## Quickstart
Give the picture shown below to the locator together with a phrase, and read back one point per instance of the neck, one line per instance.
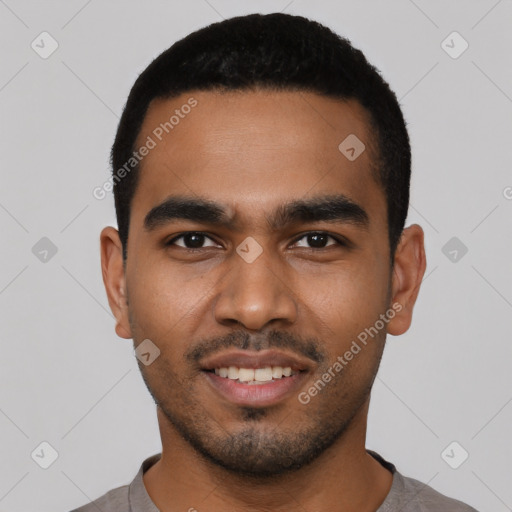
(345, 478)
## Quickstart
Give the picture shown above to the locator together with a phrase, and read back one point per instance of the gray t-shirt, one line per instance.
(406, 495)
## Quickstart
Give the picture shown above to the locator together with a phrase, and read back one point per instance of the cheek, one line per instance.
(347, 299)
(166, 300)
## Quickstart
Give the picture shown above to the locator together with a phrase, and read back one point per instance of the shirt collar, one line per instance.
(140, 501)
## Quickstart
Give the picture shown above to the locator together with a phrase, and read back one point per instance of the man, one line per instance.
(261, 176)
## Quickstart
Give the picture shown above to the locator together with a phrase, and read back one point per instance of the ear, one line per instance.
(408, 271)
(114, 279)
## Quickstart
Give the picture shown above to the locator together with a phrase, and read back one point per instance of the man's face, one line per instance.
(263, 286)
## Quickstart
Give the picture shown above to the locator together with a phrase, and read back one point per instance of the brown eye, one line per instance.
(318, 240)
(191, 240)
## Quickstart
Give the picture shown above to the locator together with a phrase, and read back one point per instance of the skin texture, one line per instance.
(251, 152)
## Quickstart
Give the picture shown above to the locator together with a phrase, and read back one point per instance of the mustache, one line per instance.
(307, 347)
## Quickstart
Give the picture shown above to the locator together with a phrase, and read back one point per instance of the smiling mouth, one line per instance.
(254, 376)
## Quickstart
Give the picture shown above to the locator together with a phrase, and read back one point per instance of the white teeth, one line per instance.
(245, 374)
(263, 374)
(277, 372)
(233, 372)
(250, 375)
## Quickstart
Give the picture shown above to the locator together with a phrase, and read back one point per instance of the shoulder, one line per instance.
(410, 495)
(420, 497)
(115, 500)
(127, 497)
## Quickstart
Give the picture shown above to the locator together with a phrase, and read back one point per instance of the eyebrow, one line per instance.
(329, 208)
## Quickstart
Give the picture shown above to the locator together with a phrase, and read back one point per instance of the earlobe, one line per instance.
(408, 271)
(114, 279)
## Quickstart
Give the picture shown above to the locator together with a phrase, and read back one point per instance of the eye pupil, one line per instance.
(195, 240)
(314, 238)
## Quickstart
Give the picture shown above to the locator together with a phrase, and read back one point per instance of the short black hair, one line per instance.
(278, 52)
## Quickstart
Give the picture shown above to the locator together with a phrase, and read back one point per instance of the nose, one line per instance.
(255, 294)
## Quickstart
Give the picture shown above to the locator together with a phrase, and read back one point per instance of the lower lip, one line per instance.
(255, 395)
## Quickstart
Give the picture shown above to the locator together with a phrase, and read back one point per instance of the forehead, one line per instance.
(252, 150)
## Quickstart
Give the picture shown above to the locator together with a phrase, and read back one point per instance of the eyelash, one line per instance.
(339, 240)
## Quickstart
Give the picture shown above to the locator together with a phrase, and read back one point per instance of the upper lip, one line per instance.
(260, 359)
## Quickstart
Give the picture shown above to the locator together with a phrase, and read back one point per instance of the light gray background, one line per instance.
(67, 379)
